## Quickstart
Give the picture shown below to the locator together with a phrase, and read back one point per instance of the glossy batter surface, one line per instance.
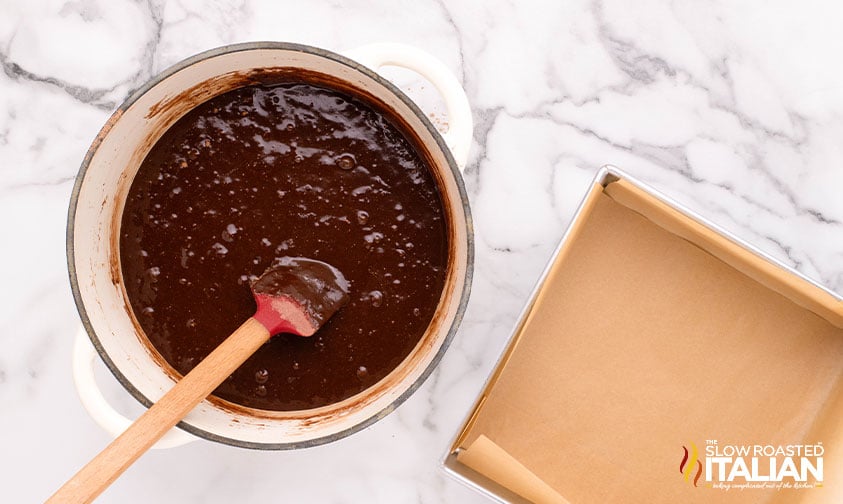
(261, 173)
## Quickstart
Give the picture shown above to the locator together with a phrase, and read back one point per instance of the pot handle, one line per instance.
(461, 124)
(98, 407)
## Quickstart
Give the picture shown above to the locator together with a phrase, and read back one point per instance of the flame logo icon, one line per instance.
(689, 460)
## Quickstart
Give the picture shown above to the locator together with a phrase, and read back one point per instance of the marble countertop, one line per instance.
(734, 109)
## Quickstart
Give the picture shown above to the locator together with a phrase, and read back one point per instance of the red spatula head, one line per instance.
(297, 295)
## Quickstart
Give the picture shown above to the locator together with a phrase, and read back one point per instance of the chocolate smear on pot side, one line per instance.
(289, 170)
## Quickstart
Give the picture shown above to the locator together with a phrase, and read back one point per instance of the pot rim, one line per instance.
(294, 47)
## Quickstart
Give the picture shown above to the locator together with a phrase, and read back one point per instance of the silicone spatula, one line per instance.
(296, 295)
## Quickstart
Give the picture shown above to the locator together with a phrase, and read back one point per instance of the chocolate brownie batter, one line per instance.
(261, 173)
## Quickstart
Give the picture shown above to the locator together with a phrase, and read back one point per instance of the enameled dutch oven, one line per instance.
(108, 170)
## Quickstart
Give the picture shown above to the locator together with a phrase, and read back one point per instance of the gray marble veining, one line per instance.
(734, 109)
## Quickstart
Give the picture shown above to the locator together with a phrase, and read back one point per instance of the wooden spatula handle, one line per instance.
(100, 472)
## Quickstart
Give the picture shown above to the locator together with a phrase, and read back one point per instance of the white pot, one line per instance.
(98, 199)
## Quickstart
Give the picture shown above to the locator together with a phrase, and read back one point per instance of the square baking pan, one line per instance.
(654, 341)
